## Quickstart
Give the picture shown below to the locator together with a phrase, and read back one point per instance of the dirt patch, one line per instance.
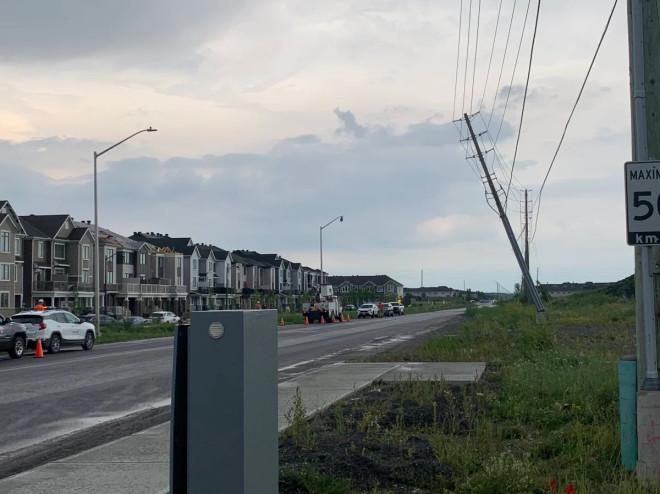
(378, 440)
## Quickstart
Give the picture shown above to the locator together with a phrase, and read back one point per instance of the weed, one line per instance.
(299, 429)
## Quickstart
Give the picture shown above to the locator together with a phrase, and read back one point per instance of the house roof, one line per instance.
(106, 235)
(184, 245)
(8, 211)
(272, 260)
(358, 280)
(78, 233)
(49, 224)
(432, 289)
(32, 231)
(238, 256)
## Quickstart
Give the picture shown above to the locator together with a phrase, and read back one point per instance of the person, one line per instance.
(40, 305)
(257, 305)
(381, 309)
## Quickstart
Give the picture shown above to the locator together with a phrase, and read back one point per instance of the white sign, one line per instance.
(643, 202)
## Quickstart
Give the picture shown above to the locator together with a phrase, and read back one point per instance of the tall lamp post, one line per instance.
(340, 218)
(97, 255)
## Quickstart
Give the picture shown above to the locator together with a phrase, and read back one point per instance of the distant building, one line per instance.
(433, 292)
(381, 283)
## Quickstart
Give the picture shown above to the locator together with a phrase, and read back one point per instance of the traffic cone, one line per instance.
(341, 318)
(348, 319)
(306, 321)
(40, 350)
(333, 319)
(282, 322)
(322, 320)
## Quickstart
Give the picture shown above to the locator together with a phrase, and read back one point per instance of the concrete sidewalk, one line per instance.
(140, 463)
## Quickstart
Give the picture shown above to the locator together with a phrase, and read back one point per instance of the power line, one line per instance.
(515, 65)
(467, 57)
(476, 47)
(492, 51)
(458, 57)
(522, 112)
(584, 83)
(499, 79)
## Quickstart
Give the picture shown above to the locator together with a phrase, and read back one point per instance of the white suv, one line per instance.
(368, 310)
(165, 316)
(56, 328)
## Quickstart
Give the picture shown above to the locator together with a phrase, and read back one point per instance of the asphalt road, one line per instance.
(117, 388)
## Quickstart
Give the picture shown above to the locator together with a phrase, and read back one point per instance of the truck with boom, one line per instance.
(323, 304)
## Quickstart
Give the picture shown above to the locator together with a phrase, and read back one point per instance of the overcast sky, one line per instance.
(274, 117)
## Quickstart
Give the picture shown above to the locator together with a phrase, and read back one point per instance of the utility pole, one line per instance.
(540, 310)
(644, 43)
(526, 229)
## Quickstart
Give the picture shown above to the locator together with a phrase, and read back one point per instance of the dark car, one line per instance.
(13, 337)
(104, 318)
(138, 320)
(350, 307)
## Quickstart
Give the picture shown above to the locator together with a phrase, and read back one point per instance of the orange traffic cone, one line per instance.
(322, 320)
(282, 322)
(333, 319)
(349, 318)
(341, 318)
(306, 321)
(40, 350)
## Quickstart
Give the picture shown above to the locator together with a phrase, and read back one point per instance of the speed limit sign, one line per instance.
(643, 202)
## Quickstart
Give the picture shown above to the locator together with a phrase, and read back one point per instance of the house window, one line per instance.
(178, 262)
(109, 277)
(4, 242)
(127, 275)
(390, 288)
(17, 246)
(379, 289)
(344, 289)
(127, 258)
(86, 252)
(85, 276)
(59, 251)
(143, 258)
(5, 272)
(194, 265)
(4, 300)
(15, 274)
(210, 268)
(40, 250)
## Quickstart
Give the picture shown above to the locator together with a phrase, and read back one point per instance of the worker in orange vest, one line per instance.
(40, 305)
(257, 306)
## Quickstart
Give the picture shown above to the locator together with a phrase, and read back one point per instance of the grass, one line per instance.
(112, 333)
(547, 406)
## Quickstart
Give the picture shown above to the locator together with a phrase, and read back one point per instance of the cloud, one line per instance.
(350, 124)
(152, 33)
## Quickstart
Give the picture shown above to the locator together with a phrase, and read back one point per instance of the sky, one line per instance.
(275, 117)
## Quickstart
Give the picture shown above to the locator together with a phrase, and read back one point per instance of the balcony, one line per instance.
(61, 286)
(137, 289)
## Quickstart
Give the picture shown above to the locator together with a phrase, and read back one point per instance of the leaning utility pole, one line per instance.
(540, 310)
(526, 227)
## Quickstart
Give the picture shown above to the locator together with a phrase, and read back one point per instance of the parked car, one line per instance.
(367, 310)
(104, 318)
(56, 328)
(165, 316)
(398, 308)
(138, 320)
(13, 337)
(388, 310)
(349, 307)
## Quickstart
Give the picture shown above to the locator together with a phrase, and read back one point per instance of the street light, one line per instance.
(340, 218)
(97, 255)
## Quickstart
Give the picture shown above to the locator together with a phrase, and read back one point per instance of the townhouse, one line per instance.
(381, 285)
(12, 235)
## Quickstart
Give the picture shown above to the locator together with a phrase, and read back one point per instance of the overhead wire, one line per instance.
(499, 79)
(492, 51)
(561, 140)
(522, 111)
(467, 57)
(513, 73)
(476, 48)
(458, 57)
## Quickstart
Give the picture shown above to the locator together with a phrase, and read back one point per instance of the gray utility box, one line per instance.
(224, 404)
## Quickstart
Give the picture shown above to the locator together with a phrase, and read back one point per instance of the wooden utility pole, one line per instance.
(540, 310)
(526, 228)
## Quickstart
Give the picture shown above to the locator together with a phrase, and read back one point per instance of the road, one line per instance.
(64, 394)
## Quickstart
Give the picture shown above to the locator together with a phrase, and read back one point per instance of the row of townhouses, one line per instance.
(51, 257)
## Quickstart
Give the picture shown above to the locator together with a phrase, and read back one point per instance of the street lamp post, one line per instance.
(340, 218)
(97, 264)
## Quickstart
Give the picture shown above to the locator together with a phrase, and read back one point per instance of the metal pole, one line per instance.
(321, 245)
(97, 255)
(641, 153)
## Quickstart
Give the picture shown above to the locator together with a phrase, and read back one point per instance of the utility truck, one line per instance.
(323, 304)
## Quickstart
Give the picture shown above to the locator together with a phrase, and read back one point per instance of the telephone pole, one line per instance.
(540, 310)
(526, 230)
